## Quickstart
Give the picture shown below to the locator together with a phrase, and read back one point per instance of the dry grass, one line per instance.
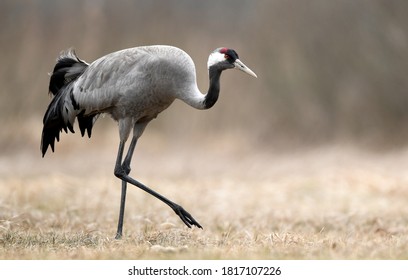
(329, 203)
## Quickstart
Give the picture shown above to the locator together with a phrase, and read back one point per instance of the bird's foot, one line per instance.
(186, 217)
(118, 236)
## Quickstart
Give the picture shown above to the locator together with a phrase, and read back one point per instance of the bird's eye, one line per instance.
(226, 56)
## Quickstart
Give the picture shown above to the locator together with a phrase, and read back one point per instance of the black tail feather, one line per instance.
(86, 122)
(61, 112)
(48, 139)
(68, 67)
(54, 123)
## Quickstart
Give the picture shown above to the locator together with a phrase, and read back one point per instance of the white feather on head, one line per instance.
(215, 57)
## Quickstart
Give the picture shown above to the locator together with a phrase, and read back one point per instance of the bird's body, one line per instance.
(110, 82)
(133, 86)
(108, 85)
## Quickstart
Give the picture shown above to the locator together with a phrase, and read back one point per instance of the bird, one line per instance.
(133, 86)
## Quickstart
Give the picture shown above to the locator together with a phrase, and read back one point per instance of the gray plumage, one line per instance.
(133, 86)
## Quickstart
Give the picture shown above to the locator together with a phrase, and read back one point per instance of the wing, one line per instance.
(134, 77)
(109, 78)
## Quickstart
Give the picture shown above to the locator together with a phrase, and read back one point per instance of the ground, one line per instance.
(330, 202)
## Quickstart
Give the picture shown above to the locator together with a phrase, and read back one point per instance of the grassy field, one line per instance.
(328, 203)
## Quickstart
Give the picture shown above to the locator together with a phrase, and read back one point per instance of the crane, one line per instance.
(133, 86)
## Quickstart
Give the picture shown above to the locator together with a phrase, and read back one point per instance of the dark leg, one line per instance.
(121, 211)
(122, 172)
(183, 214)
(126, 168)
(123, 194)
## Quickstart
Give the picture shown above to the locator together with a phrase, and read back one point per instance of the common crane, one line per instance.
(133, 86)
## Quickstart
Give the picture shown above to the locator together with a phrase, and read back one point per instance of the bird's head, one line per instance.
(224, 58)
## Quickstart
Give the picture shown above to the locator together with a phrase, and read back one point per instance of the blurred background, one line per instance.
(328, 71)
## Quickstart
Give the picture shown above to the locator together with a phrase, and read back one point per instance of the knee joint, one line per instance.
(121, 171)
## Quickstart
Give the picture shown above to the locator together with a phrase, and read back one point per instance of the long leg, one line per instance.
(124, 130)
(123, 194)
(121, 171)
(121, 211)
(126, 168)
(183, 214)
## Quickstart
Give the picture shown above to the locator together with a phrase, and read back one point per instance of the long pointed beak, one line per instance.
(241, 66)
